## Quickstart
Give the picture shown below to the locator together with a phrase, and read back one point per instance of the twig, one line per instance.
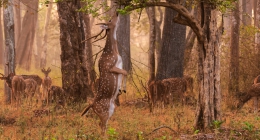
(164, 126)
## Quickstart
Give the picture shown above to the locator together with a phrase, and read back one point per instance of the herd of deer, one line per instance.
(110, 83)
(27, 85)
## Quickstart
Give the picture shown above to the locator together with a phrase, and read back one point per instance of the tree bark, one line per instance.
(247, 12)
(152, 43)
(123, 37)
(44, 46)
(173, 39)
(1, 41)
(73, 62)
(209, 99)
(25, 41)
(37, 48)
(89, 62)
(257, 42)
(158, 36)
(9, 46)
(17, 20)
(233, 86)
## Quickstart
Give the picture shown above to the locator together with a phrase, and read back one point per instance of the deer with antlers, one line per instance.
(17, 85)
(46, 84)
(110, 67)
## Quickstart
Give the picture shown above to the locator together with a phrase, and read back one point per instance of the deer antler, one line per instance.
(93, 36)
(101, 37)
(49, 70)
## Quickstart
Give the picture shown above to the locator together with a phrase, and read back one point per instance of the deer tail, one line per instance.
(86, 110)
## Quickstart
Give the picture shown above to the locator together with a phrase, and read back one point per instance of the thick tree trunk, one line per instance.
(257, 42)
(233, 86)
(123, 37)
(151, 52)
(152, 43)
(73, 62)
(25, 41)
(17, 20)
(45, 36)
(89, 62)
(209, 99)
(9, 46)
(173, 39)
(158, 36)
(1, 41)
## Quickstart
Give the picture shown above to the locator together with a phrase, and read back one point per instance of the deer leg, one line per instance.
(103, 124)
(255, 104)
(123, 85)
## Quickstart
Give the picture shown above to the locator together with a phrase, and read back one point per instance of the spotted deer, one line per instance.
(31, 88)
(46, 84)
(110, 67)
(38, 80)
(256, 80)
(17, 85)
(243, 97)
(56, 95)
(164, 91)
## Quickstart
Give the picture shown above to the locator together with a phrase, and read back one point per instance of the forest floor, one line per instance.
(131, 120)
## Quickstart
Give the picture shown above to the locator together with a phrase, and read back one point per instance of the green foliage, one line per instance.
(248, 126)
(217, 124)
(140, 135)
(112, 133)
(224, 5)
(196, 131)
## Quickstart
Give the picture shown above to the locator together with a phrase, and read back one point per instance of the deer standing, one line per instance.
(56, 95)
(38, 80)
(17, 85)
(110, 67)
(46, 84)
(31, 88)
(254, 91)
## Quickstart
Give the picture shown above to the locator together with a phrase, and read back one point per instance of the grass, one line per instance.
(129, 122)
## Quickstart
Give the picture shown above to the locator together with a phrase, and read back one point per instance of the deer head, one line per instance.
(46, 72)
(8, 79)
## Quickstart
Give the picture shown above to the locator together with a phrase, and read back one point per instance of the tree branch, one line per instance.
(192, 22)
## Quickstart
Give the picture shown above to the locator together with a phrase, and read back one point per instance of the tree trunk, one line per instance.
(9, 46)
(25, 41)
(209, 99)
(257, 42)
(73, 62)
(123, 37)
(158, 36)
(1, 41)
(233, 86)
(247, 12)
(37, 48)
(17, 20)
(89, 62)
(45, 36)
(152, 43)
(173, 39)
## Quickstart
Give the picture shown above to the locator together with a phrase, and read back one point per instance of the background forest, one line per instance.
(215, 43)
